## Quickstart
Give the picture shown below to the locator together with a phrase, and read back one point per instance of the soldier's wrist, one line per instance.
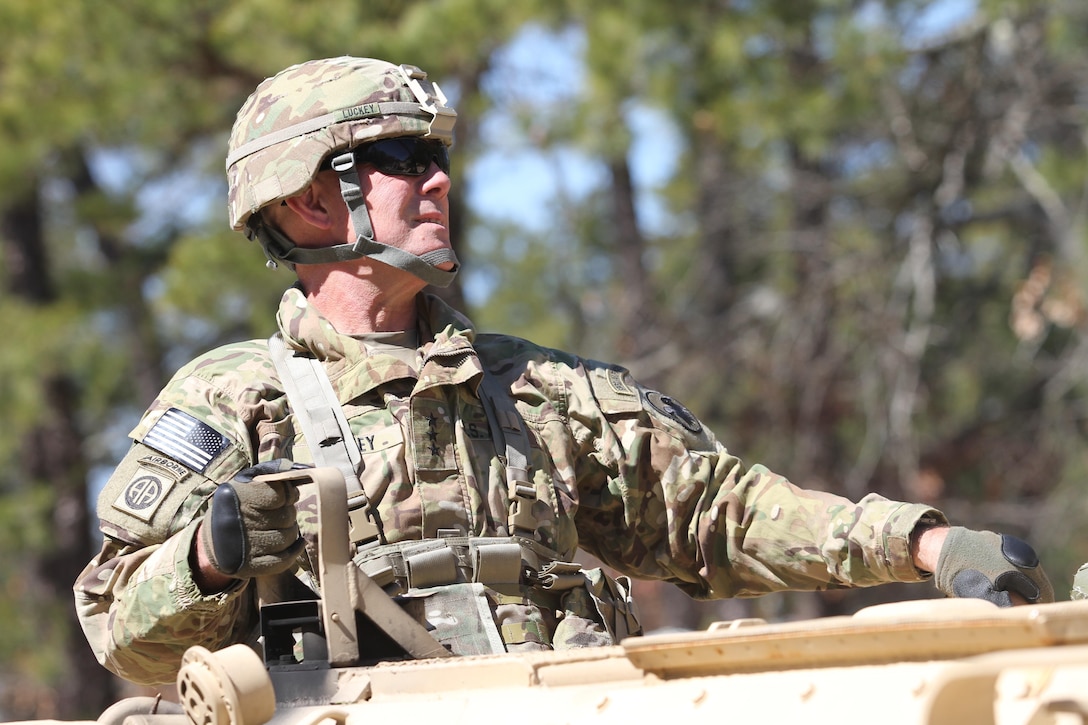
(207, 578)
(926, 542)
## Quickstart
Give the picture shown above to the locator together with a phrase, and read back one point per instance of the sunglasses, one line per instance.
(403, 156)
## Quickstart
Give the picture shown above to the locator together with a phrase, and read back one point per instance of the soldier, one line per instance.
(476, 464)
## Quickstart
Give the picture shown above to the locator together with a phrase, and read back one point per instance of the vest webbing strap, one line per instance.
(332, 443)
(508, 430)
(321, 417)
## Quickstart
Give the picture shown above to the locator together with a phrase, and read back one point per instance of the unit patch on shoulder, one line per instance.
(148, 487)
(618, 384)
(185, 439)
(674, 411)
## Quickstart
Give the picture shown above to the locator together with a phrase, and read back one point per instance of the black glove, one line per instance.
(985, 565)
(251, 528)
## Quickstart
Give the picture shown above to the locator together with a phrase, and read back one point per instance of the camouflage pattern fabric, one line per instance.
(350, 89)
(625, 473)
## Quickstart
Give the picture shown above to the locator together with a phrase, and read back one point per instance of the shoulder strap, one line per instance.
(321, 417)
(508, 430)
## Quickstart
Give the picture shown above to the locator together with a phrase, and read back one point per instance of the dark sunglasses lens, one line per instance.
(407, 156)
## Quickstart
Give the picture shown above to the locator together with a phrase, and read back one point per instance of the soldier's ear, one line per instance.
(314, 205)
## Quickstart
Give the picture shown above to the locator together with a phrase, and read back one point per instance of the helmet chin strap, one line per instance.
(278, 248)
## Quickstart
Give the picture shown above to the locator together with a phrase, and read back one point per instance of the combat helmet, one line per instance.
(324, 109)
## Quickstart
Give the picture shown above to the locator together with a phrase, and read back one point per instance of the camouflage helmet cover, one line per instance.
(294, 119)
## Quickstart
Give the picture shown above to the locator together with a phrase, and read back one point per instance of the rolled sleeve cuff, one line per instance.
(897, 539)
(187, 594)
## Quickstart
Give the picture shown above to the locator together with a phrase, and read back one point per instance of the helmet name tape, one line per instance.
(363, 111)
(353, 113)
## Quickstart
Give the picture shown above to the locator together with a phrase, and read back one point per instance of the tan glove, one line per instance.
(251, 527)
(985, 565)
(1080, 584)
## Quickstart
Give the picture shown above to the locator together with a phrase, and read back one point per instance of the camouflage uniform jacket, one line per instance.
(625, 473)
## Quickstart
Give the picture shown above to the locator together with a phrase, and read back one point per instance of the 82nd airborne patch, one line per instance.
(148, 487)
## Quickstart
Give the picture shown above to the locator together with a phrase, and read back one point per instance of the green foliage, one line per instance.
(873, 280)
(54, 333)
(35, 632)
(221, 281)
(836, 144)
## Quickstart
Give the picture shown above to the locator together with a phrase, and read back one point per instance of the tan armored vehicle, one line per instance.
(954, 661)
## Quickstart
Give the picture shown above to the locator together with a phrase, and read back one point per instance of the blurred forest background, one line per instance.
(849, 234)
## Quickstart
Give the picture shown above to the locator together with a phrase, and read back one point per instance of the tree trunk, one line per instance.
(633, 308)
(52, 457)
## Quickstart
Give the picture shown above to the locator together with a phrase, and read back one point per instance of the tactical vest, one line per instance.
(476, 595)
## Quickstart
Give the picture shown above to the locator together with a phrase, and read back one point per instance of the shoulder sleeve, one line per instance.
(618, 395)
(150, 497)
(661, 498)
(137, 601)
(206, 416)
(201, 429)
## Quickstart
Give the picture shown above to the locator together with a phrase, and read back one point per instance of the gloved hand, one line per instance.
(1080, 584)
(985, 565)
(251, 528)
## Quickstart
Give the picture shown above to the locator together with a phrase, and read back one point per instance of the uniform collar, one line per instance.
(445, 335)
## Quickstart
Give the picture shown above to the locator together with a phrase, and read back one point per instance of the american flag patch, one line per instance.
(186, 440)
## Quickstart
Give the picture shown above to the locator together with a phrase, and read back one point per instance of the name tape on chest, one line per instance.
(380, 440)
